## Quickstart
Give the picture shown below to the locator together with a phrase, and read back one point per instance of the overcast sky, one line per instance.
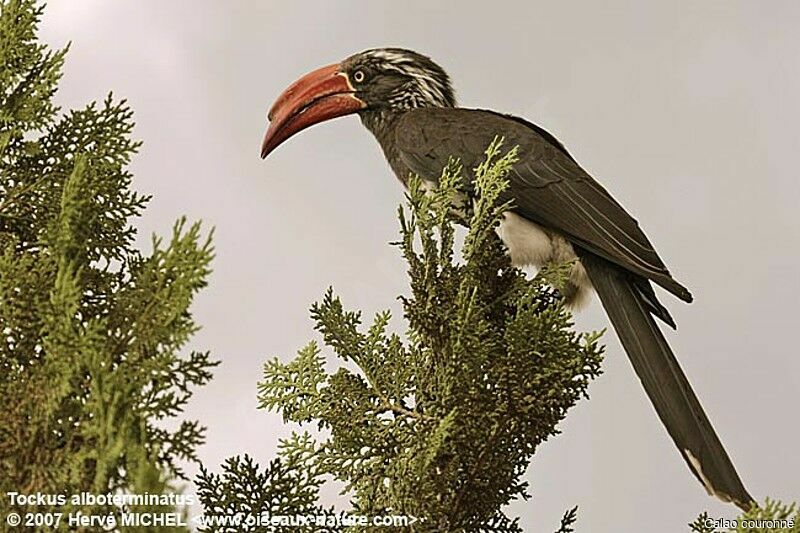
(686, 111)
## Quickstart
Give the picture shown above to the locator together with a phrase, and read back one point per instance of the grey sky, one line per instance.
(686, 111)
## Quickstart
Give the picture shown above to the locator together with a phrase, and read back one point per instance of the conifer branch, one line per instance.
(489, 365)
(87, 404)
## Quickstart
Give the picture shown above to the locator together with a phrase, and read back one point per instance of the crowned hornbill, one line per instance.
(560, 213)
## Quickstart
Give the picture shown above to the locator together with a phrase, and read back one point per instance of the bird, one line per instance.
(559, 213)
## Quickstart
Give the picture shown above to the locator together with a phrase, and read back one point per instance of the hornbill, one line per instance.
(559, 214)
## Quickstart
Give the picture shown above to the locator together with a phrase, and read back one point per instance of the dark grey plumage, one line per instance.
(665, 383)
(410, 110)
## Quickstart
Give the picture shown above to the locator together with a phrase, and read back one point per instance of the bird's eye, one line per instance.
(359, 76)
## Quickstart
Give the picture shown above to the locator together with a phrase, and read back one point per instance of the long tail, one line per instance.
(664, 381)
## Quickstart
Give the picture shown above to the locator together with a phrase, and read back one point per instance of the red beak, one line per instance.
(321, 95)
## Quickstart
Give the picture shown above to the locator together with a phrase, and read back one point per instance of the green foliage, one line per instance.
(442, 422)
(568, 520)
(287, 486)
(92, 330)
(773, 517)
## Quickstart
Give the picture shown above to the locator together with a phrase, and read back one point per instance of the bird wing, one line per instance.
(546, 186)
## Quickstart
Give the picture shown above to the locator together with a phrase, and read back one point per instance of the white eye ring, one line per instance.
(359, 76)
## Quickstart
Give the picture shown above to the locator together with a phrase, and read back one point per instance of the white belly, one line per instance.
(530, 244)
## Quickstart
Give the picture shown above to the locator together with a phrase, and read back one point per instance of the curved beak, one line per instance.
(320, 95)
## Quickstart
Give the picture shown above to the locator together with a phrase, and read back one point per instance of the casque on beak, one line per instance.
(320, 95)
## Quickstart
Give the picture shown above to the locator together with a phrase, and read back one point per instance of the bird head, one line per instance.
(375, 83)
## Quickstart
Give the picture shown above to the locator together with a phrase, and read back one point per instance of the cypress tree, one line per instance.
(93, 331)
(438, 423)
